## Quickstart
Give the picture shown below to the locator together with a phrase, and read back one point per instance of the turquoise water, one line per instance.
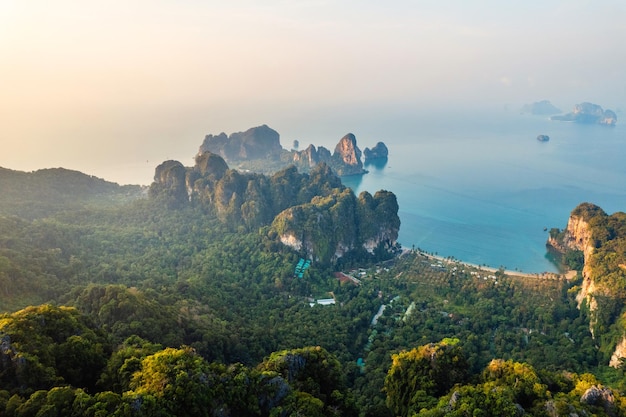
(482, 188)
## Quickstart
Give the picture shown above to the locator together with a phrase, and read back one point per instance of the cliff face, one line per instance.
(618, 354)
(379, 151)
(255, 143)
(577, 236)
(258, 149)
(601, 238)
(312, 213)
(329, 228)
(347, 151)
(170, 181)
(345, 160)
(309, 157)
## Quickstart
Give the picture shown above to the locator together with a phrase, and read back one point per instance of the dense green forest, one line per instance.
(147, 306)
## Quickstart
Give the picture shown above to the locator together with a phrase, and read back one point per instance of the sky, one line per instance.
(112, 88)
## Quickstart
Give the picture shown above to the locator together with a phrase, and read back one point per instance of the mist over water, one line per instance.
(481, 188)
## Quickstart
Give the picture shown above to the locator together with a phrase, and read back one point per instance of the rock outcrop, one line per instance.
(378, 152)
(347, 156)
(345, 160)
(589, 113)
(618, 354)
(307, 227)
(208, 163)
(601, 239)
(601, 397)
(308, 157)
(540, 108)
(256, 143)
(313, 213)
(170, 180)
(258, 149)
(577, 236)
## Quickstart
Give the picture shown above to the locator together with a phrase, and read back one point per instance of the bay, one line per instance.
(481, 188)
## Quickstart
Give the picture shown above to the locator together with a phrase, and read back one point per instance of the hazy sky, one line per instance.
(112, 88)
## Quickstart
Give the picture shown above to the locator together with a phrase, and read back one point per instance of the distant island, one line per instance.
(589, 113)
(377, 153)
(258, 149)
(539, 108)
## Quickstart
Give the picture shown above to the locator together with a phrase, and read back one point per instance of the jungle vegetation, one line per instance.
(135, 307)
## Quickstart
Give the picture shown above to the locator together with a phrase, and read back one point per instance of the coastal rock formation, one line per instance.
(348, 156)
(255, 143)
(312, 213)
(308, 157)
(379, 151)
(578, 236)
(589, 113)
(258, 149)
(540, 108)
(305, 227)
(601, 238)
(345, 160)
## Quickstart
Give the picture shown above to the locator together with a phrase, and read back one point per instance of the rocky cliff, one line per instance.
(258, 149)
(310, 212)
(589, 113)
(327, 229)
(602, 239)
(577, 236)
(378, 152)
(170, 179)
(347, 156)
(345, 160)
(256, 143)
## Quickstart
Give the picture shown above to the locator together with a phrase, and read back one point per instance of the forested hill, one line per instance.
(46, 191)
(193, 301)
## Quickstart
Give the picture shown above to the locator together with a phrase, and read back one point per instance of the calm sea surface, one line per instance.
(482, 189)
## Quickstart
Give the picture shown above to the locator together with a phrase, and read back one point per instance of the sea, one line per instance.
(481, 188)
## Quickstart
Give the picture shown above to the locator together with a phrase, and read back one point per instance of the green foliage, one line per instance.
(124, 363)
(124, 312)
(310, 369)
(38, 194)
(520, 378)
(211, 276)
(180, 381)
(508, 388)
(417, 377)
(606, 267)
(46, 346)
(574, 259)
(340, 225)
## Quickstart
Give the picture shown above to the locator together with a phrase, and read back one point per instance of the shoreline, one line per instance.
(542, 275)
